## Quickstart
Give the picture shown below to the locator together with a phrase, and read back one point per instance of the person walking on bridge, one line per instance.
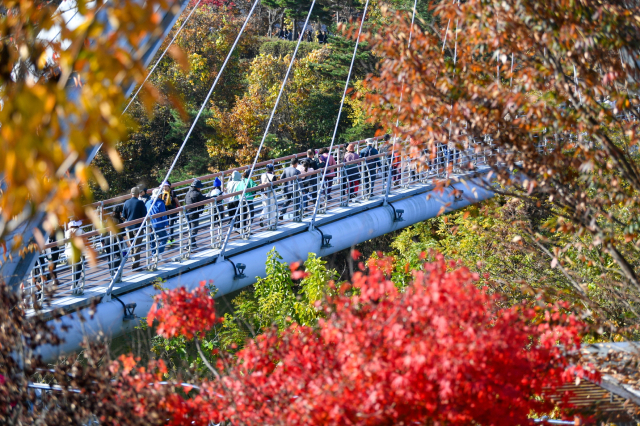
(158, 224)
(353, 174)
(73, 231)
(171, 202)
(232, 186)
(370, 168)
(247, 209)
(134, 209)
(331, 173)
(194, 196)
(289, 187)
(269, 209)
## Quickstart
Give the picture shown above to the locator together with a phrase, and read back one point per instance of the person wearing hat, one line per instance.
(269, 209)
(370, 168)
(353, 173)
(156, 206)
(134, 209)
(193, 214)
(216, 192)
(75, 259)
(170, 200)
(144, 196)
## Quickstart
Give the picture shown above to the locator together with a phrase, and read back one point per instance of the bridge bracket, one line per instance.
(397, 214)
(129, 309)
(325, 239)
(457, 194)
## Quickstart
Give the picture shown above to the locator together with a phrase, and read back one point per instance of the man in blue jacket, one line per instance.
(134, 209)
(158, 224)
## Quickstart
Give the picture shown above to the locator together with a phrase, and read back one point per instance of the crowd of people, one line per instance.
(297, 194)
(309, 35)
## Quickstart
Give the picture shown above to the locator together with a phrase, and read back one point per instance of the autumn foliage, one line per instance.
(440, 351)
(545, 88)
(181, 313)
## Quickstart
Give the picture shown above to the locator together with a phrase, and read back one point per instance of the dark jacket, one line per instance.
(374, 163)
(194, 196)
(287, 173)
(133, 209)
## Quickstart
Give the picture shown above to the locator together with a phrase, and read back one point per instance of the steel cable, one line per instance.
(335, 130)
(266, 131)
(175, 160)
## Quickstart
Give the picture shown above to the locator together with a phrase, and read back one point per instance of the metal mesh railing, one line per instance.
(201, 227)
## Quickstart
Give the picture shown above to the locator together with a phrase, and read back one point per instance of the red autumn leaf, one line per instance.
(180, 313)
(298, 275)
(441, 351)
(355, 254)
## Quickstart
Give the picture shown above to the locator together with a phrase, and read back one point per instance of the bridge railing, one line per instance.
(106, 207)
(202, 227)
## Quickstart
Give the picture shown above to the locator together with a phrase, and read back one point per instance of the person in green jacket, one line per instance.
(247, 216)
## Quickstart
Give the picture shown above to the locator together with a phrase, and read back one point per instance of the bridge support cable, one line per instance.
(393, 149)
(266, 131)
(335, 130)
(161, 56)
(107, 297)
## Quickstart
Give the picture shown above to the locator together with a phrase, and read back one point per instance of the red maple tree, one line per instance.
(181, 313)
(439, 351)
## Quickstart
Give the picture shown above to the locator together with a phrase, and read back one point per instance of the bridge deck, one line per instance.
(68, 287)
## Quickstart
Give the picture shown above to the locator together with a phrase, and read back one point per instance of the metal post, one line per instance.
(147, 227)
(182, 218)
(387, 186)
(297, 201)
(112, 255)
(274, 225)
(212, 206)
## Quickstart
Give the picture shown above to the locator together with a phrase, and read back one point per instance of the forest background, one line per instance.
(229, 132)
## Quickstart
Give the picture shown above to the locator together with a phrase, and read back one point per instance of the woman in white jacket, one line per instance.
(269, 210)
(76, 267)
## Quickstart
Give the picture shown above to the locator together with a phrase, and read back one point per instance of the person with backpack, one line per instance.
(134, 209)
(170, 200)
(158, 224)
(193, 214)
(370, 168)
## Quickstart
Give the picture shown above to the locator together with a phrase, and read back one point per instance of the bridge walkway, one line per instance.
(58, 284)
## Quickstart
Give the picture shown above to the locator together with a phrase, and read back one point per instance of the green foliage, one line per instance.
(510, 244)
(336, 66)
(281, 48)
(277, 301)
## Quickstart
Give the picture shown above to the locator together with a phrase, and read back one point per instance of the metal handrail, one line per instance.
(273, 204)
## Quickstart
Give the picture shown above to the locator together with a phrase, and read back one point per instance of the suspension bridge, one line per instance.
(225, 239)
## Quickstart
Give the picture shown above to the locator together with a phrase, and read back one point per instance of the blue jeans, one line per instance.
(161, 236)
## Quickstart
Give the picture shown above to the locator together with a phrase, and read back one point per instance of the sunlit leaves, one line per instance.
(438, 352)
(54, 113)
(180, 313)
